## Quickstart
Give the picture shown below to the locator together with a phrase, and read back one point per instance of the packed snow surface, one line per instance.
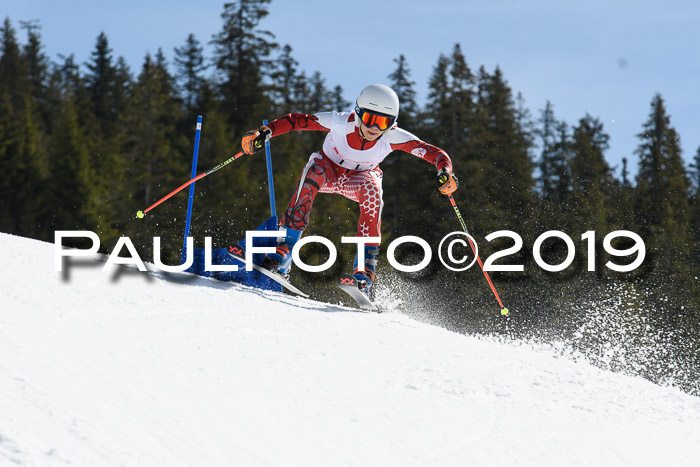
(121, 367)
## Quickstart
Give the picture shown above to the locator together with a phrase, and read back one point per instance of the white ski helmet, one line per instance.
(377, 98)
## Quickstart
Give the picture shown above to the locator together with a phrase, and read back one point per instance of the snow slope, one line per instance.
(127, 368)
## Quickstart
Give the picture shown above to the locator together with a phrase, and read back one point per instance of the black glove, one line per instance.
(254, 140)
(446, 182)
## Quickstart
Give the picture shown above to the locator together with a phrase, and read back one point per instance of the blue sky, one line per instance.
(603, 57)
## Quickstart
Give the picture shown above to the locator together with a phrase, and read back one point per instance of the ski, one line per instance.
(238, 253)
(348, 284)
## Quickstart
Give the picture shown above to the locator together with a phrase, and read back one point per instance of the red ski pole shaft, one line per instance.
(504, 310)
(140, 214)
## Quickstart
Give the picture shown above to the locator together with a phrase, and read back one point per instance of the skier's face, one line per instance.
(370, 134)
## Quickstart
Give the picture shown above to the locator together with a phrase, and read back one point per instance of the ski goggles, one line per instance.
(370, 119)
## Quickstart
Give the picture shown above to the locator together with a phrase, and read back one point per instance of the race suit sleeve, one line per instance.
(404, 141)
(301, 122)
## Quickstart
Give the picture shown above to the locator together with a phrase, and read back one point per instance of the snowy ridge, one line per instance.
(128, 368)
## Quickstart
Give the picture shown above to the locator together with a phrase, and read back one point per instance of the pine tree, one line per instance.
(23, 165)
(449, 121)
(459, 120)
(190, 66)
(66, 82)
(436, 118)
(106, 86)
(662, 209)
(301, 89)
(461, 103)
(320, 98)
(503, 154)
(402, 84)
(695, 212)
(101, 83)
(71, 202)
(339, 102)
(554, 164)
(14, 70)
(284, 80)
(590, 175)
(155, 151)
(695, 180)
(547, 134)
(554, 177)
(622, 210)
(662, 183)
(243, 69)
(402, 171)
(242, 60)
(122, 86)
(625, 173)
(561, 164)
(37, 62)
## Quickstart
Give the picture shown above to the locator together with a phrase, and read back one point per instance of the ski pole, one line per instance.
(504, 310)
(140, 214)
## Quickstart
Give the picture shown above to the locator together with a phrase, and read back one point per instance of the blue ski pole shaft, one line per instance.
(194, 174)
(270, 180)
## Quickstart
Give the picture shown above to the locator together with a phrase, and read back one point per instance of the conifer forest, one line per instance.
(84, 146)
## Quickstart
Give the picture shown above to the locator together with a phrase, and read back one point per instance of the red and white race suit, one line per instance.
(348, 165)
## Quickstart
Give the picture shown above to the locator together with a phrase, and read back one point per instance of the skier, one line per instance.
(348, 165)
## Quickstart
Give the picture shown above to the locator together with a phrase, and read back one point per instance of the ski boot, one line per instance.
(281, 261)
(366, 279)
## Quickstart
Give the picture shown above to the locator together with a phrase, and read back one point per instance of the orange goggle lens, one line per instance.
(383, 122)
